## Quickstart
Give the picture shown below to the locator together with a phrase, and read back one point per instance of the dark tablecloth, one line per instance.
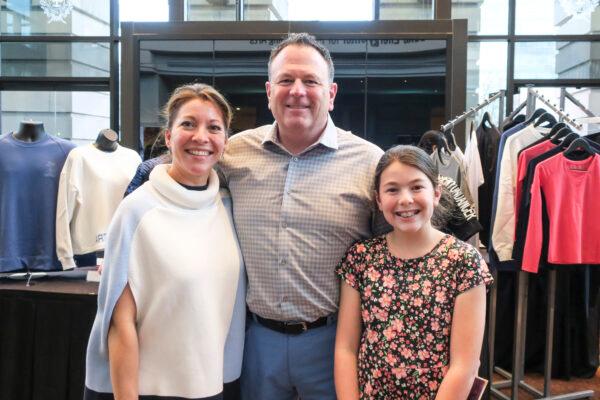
(44, 330)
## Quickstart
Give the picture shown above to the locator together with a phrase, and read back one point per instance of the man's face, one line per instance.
(299, 92)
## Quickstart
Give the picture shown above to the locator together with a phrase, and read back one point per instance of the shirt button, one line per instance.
(284, 225)
(295, 158)
(282, 261)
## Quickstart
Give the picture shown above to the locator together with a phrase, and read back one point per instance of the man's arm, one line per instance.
(123, 348)
(221, 174)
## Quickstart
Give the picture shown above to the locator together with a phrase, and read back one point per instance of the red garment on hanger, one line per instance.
(571, 190)
(524, 158)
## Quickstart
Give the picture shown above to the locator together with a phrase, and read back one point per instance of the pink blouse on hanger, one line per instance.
(571, 190)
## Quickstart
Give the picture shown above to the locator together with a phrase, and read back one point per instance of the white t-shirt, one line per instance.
(92, 183)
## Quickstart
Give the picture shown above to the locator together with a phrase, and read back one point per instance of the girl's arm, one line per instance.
(123, 348)
(347, 341)
(466, 337)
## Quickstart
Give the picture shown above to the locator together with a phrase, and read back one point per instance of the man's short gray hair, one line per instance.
(303, 39)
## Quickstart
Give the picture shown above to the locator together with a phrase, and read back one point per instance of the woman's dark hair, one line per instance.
(419, 159)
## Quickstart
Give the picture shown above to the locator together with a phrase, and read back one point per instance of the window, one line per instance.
(211, 10)
(555, 17)
(78, 116)
(557, 60)
(405, 9)
(268, 10)
(405, 91)
(486, 73)
(143, 10)
(87, 18)
(487, 17)
(42, 59)
(308, 10)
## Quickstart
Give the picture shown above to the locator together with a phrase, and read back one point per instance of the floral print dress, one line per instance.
(406, 308)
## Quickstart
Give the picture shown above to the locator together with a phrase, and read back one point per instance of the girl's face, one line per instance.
(407, 198)
(196, 140)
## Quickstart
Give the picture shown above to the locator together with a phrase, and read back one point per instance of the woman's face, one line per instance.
(196, 139)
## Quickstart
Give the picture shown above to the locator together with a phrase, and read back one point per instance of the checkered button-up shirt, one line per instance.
(296, 215)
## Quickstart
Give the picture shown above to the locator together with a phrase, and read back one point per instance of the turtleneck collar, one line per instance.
(190, 199)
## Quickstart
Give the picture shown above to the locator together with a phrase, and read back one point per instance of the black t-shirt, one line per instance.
(462, 219)
(488, 140)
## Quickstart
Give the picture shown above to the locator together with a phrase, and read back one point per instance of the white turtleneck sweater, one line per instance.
(91, 187)
(178, 250)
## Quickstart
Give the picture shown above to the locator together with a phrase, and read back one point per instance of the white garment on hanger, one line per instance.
(459, 156)
(91, 186)
(475, 178)
(503, 234)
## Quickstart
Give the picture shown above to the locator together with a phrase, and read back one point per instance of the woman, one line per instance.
(172, 288)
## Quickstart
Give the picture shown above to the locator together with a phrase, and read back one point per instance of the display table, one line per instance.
(44, 330)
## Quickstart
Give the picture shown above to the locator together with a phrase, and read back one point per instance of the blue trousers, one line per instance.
(280, 366)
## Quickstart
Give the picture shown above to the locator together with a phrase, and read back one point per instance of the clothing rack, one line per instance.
(563, 95)
(514, 113)
(515, 380)
(500, 95)
(533, 95)
(566, 95)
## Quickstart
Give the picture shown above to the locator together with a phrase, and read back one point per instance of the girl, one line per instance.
(419, 293)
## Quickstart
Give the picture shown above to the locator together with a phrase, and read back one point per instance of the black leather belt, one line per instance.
(293, 328)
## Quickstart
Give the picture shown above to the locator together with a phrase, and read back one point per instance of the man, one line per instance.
(302, 194)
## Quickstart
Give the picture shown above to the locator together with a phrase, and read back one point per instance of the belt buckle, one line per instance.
(292, 326)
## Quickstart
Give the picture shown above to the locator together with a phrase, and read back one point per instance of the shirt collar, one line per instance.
(328, 138)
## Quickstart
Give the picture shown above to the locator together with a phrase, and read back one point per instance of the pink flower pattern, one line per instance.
(406, 308)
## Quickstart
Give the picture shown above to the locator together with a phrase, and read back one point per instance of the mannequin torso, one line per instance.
(30, 131)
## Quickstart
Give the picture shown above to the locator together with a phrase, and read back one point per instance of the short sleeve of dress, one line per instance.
(352, 265)
(472, 270)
